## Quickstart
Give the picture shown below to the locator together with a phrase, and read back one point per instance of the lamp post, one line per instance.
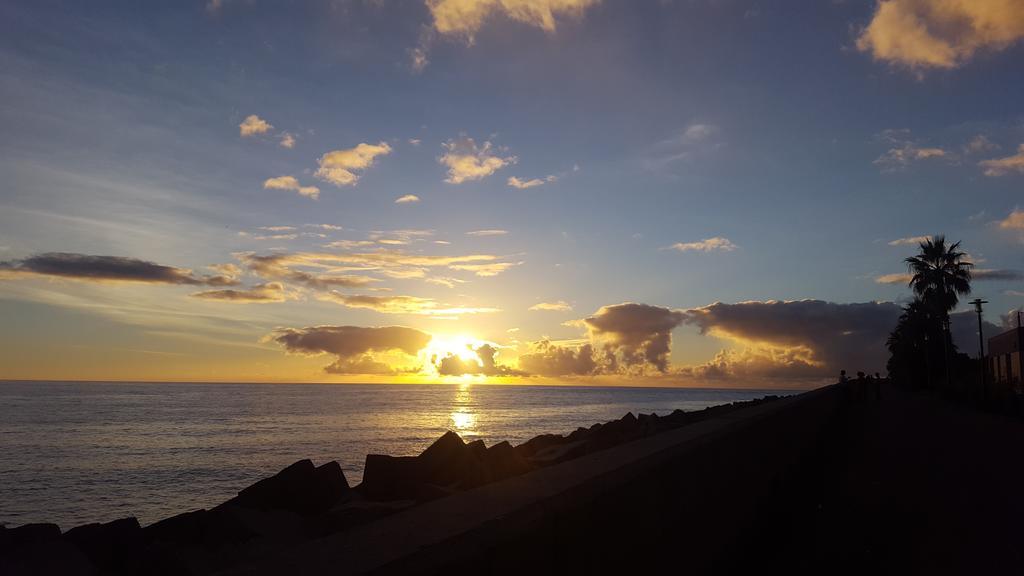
(981, 346)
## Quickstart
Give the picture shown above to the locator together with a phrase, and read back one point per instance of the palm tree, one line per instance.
(940, 275)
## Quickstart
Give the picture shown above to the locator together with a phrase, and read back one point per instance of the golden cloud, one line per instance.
(339, 166)
(559, 306)
(466, 161)
(292, 184)
(923, 34)
(353, 345)
(1014, 221)
(404, 305)
(253, 125)
(465, 17)
(1003, 166)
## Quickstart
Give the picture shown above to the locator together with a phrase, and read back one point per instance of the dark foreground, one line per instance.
(833, 481)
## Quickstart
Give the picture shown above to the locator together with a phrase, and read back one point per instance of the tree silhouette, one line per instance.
(940, 275)
(921, 341)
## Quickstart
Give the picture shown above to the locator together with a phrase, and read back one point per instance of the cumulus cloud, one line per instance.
(463, 18)
(1006, 165)
(352, 345)
(714, 244)
(340, 167)
(253, 125)
(515, 182)
(407, 199)
(633, 335)
(292, 184)
(287, 140)
(485, 364)
(548, 359)
(259, 294)
(405, 305)
(86, 267)
(491, 232)
(797, 339)
(466, 161)
(922, 34)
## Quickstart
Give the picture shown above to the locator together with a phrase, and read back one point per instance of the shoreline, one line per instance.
(273, 510)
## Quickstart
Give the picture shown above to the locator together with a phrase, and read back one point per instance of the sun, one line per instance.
(460, 345)
(443, 345)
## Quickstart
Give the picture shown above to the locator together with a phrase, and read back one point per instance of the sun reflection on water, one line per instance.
(463, 418)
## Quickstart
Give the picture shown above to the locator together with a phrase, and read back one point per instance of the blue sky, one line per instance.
(796, 134)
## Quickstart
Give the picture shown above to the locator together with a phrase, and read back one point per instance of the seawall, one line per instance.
(701, 498)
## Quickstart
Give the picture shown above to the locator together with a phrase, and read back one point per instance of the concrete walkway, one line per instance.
(910, 484)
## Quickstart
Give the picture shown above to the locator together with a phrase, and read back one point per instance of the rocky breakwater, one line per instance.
(304, 502)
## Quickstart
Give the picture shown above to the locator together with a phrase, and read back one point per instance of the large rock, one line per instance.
(389, 477)
(537, 443)
(40, 549)
(200, 528)
(503, 461)
(113, 546)
(446, 465)
(301, 488)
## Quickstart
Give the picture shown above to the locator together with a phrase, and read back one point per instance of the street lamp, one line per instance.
(981, 344)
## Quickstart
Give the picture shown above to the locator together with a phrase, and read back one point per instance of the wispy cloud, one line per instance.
(897, 278)
(1005, 165)
(407, 199)
(980, 143)
(259, 294)
(491, 232)
(485, 270)
(909, 241)
(405, 305)
(714, 244)
(1013, 221)
(515, 182)
(342, 167)
(903, 150)
(558, 306)
(466, 161)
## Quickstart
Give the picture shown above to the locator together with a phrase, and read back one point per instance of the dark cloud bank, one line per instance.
(108, 269)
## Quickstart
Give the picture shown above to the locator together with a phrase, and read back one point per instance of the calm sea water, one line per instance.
(73, 453)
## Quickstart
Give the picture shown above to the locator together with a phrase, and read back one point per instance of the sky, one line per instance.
(594, 192)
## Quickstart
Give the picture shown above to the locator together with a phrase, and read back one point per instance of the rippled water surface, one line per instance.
(73, 453)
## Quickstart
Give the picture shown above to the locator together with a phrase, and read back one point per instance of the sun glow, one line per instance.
(443, 345)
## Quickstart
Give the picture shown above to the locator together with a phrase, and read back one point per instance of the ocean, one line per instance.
(79, 452)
